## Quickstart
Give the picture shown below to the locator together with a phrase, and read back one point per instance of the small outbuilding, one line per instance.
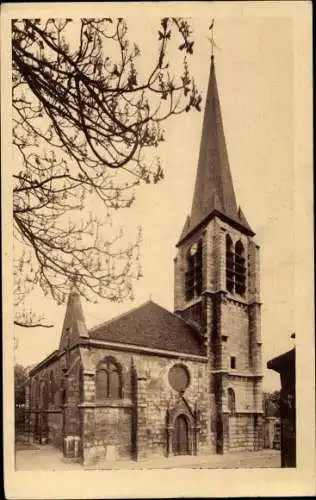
(285, 366)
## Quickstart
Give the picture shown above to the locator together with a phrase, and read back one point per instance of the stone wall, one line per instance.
(55, 428)
(160, 396)
(135, 426)
(45, 420)
(241, 433)
(106, 433)
(234, 321)
(51, 420)
(73, 397)
(270, 431)
(246, 398)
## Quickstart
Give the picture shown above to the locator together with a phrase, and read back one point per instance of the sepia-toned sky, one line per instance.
(254, 68)
(264, 75)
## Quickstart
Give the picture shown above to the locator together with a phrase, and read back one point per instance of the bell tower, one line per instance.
(217, 287)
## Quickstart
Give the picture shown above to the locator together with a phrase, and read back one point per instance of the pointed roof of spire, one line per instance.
(74, 326)
(214, 191)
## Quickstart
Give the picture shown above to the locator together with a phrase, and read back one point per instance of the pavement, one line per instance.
(47, 457)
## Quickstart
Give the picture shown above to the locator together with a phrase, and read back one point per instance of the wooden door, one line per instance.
(181, 436)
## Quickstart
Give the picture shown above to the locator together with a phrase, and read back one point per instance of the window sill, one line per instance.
(242, 299)
(191, 302)
(107, 403)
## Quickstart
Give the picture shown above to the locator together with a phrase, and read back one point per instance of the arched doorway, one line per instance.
(181, 436)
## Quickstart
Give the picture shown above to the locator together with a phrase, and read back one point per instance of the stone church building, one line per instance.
(154, 383)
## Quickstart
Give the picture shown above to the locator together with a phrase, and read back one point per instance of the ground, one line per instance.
(46, 457)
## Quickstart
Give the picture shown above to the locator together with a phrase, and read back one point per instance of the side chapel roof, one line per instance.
(152, 326)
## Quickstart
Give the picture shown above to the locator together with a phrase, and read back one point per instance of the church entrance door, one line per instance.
(181, 436)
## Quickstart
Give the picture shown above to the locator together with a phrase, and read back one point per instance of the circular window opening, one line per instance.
(179, 378)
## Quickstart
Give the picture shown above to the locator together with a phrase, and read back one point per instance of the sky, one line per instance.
(255, 70)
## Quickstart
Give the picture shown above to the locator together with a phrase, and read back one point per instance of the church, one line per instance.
(153, 383)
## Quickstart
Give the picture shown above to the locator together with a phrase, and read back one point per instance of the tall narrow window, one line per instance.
(229, 264)
(240, 268)
(81, 385)
(33, 393)
(45, 394)
(51, 388)
(231, 402)
(37, 392)
(102, 383)
(38, 387)
(108, 380)
(235, 267)
(114, 387)
(194, 274)
(233, 362)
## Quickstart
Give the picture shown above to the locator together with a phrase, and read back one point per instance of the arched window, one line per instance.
(235, 267)
(37, 392)
(33, 392)
(108, 380)
(231, 402)
(240, 268)
(44, 394)
(229, 264)
(51, 388)
(194, 273)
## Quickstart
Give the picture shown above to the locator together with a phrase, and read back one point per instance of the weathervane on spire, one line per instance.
(213, 44)
(74, 280)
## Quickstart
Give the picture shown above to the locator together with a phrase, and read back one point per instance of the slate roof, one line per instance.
(74, 322)
(151, 326)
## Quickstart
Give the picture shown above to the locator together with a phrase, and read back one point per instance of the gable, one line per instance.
(151, 326)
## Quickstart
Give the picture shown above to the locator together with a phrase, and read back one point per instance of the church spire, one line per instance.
(214, 191)
(74, 326)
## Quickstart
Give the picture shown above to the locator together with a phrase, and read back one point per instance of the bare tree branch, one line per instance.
(86, 124)
(32, 325)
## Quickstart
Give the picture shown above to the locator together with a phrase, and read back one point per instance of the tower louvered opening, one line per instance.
(194, 274)
(229, 264)
(235, 267)
(240, 268)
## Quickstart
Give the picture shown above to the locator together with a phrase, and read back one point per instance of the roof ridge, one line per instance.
(191, 326)
(195, 326)
(150, 325)
(119, 316)
(47, 358)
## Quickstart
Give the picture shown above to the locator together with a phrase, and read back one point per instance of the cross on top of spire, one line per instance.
(74, 282)
(211, 28)
(211, 39)
(214, 192)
